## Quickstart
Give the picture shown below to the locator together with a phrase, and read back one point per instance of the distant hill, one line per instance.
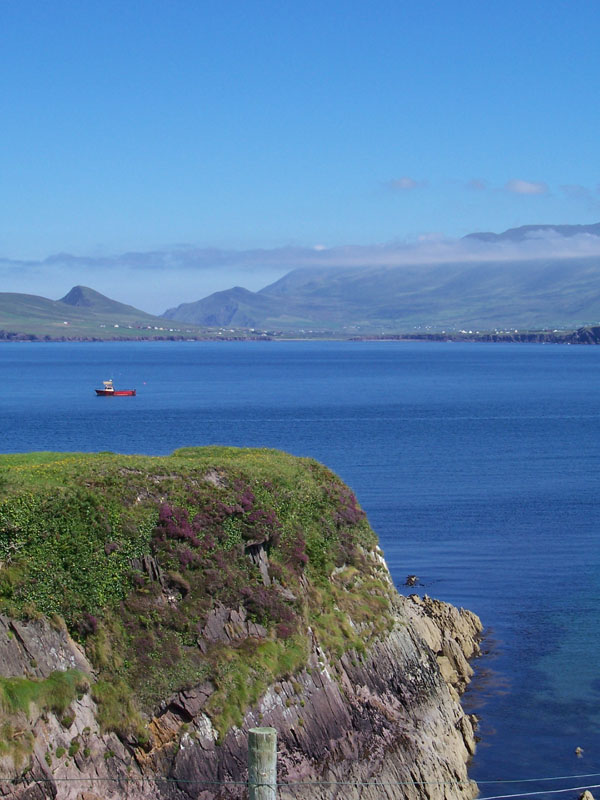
(82, 313)
(235, 306)
(541, 293)
(528, 231)
(83, 297)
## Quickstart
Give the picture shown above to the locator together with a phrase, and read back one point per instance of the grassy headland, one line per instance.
(139, 555)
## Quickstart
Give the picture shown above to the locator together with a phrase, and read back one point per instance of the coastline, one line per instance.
(589, 335)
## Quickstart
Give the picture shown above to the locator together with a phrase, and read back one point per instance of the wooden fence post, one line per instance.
(262, 764)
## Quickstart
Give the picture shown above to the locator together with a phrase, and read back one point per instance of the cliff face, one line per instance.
(389, 716)
(379, 704)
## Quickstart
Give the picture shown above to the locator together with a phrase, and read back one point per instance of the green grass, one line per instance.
(117, 709)
(243, 675)
(54, 693)
(20, 696)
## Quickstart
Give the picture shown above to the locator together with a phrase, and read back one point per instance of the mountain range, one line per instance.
(548, 292)
(477, 292)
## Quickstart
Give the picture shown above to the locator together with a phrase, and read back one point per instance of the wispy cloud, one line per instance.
(476, 185)
(583, 195)
(573, 191)
(404, 184)
(518, 186)
(427, 248)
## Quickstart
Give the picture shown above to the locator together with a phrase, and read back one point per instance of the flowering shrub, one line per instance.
(265, 605)
(87, 625)
(284, 630)
(293, 553)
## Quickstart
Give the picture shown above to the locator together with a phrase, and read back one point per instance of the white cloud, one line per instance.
(518, 186)
(404, 184)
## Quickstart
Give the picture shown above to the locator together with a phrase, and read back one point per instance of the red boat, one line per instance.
(110, 391)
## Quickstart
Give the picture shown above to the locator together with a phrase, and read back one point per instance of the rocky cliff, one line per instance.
(363, 689)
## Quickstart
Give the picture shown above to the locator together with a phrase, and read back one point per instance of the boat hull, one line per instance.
(115, 392)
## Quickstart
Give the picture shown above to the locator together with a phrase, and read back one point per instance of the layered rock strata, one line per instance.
(385, 723)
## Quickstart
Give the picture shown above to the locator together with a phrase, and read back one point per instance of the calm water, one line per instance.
(477, 466)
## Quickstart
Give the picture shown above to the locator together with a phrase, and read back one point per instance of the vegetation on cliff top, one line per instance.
(144, 558)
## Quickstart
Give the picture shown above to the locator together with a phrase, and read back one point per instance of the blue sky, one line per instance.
(137, 126)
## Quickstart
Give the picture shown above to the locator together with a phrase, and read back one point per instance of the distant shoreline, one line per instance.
(33, 339)
(588, 335)
(584, 335)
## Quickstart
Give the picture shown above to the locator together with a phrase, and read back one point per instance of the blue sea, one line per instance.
(477, 464)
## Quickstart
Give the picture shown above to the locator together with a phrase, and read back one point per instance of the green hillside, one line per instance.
(82, 313)
(235, 306)
(543, 293)
(83, 297)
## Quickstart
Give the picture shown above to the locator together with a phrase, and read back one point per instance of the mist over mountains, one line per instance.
(551, 285)
(528, 278)
(163, 278)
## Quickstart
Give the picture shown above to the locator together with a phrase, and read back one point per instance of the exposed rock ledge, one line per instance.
(390, 716)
